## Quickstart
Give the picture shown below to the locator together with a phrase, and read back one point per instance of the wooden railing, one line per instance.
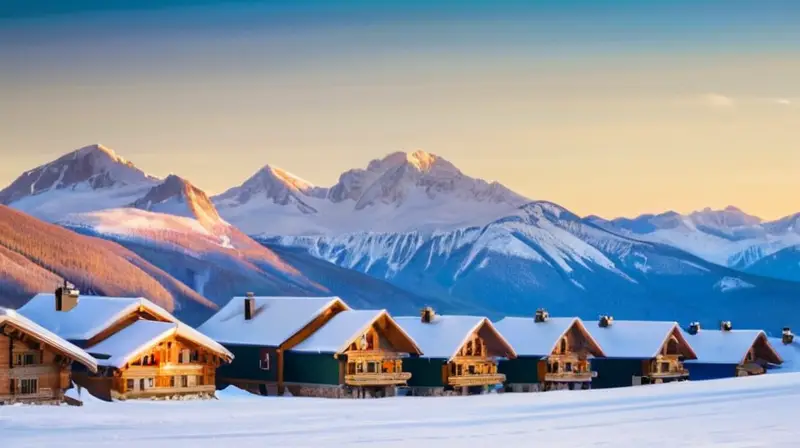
(158, 391)
(377, 379)
(671, 374)
(476, 379)
(569, 376)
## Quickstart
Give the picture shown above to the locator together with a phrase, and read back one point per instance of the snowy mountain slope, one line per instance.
(177, 196)
(784, 264)
(544, 255)
(223, 262)
(727, 237)
(399, 193)
(36, 256)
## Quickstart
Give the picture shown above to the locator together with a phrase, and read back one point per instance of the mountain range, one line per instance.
(411, 229)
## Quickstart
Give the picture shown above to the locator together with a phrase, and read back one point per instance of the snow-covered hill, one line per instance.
(402, 192)
(541, 254)
(709, 414)
(728, 237)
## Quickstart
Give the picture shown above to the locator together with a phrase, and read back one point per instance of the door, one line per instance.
(141, 385)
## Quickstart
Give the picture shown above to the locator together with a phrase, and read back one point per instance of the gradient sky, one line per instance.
(605, 107)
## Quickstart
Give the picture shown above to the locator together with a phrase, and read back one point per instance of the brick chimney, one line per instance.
(694, 327)
(428, 314)
(605, 321)
(787, 337)
(726, 325)
(67, 297)
(541, 315)
(249, 306)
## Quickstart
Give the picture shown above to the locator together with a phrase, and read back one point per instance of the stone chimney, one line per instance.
(541, 315)
(67, 297)
(605, 321)
(694, 327)
(249, 306)
(726, 325)
(428, 314)
(787, 337)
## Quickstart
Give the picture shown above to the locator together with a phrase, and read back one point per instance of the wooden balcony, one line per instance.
(377, 379)
(570, 377)
(476, 380)
(167, 391)
(671, 374)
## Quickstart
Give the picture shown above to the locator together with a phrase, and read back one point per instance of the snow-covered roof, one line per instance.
(344, 328)
(637, 339)
(274, 320)
(727, 347)
(789, 353)
(445, 335)
(531, 338)
(37, 331)
(132, 340)
(89, 317)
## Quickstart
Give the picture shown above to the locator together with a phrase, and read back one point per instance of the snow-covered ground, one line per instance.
(745, 412)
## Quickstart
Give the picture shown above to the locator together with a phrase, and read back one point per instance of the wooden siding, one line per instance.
(173, 367)
(30, 371)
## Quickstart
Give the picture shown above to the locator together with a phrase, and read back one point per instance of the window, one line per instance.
(665, 367)
(149, 382)
(471, 370)
(172, 381)
(129, 384)
(568, 367)
(195, 356)
(555, 367)
(372, 367)
(564, 346)
(199, 380)
(26, 359)
(184, 381)
(264, 363)
(29, 386)
(351, 368)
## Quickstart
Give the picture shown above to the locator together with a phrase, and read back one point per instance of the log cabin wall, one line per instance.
(29, 371)
(173, 367)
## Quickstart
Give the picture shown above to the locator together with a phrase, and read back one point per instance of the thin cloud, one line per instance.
(718, 100)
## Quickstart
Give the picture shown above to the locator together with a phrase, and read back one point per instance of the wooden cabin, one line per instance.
(552, 353)
(639, 352)
(301, 345)
(151, 359)
(141, 349)
(460, 354)
(788, 348)
(34, 362)
(727, 352)
(355, 354)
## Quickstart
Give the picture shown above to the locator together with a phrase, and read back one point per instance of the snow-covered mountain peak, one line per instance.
(89, 168)
(177, 196)
(730, 217)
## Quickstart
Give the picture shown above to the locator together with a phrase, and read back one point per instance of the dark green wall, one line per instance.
(425, 372)
(246, 364)
(310, 368)
(522, 370)
(615, 372)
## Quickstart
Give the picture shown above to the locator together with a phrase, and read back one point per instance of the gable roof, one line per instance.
(275, 319)
(728, 347)
(38, 332)
(89, 317)
(445, 335)
(531, 338)
(789, 353)
(344, 328)
(637, 339)
(126, 344)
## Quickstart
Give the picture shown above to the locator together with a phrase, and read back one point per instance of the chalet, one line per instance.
(459, 354)
(310, 346)
(639, 352)
(552, 353)
(727, 352)
(34, 362)
(142, 351)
